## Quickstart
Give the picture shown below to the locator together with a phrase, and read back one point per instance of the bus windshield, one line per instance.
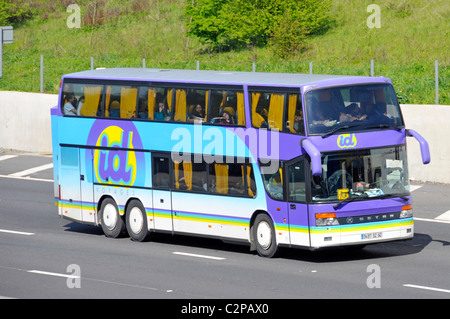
(355, 108)
(362, 174)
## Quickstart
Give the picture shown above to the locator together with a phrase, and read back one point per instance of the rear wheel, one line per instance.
(112, 223)
(264, 236)
(136, 220)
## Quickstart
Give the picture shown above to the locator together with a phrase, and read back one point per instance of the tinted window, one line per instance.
(120, 101)
(362, 174)
(273, 183)
(352, 108)
(277, 110)
(227, 107)
(190, 176)
(161, 176)
(296, 182)
(81, 99)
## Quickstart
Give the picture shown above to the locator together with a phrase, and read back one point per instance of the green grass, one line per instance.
(412, 36)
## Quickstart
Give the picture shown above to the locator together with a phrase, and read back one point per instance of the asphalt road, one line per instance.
(43, 256)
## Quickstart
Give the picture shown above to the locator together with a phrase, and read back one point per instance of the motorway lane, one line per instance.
(34, 266)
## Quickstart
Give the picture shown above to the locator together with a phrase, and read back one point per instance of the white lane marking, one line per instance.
(413, 188)
(5, 157)
(427, 288)
(40, 272)
(28, 178)
(198, 256)
(445, 216)
(52, 274)
(15, 232)
(32, 170)
(432, 220)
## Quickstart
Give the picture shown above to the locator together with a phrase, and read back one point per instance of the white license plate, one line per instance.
(372, 235)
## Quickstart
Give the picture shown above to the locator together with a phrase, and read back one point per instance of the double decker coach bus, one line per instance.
(267, 159)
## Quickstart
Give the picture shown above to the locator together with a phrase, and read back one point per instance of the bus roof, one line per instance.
(221, 77)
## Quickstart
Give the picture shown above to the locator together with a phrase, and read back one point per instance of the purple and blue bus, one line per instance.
(267, 159)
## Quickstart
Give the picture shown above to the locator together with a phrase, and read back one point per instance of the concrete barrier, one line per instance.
(433, 123)
(25, 126)
(25, 121)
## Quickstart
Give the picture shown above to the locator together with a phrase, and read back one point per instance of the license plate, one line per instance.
(371, 235)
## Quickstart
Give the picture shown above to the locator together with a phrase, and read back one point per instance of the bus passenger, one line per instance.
(69, 107)
(197, 115)
(319, 117)
(81, 101)
(226, 118)
(163, 113)
(352, 113)
(143, 110)
(298, 122)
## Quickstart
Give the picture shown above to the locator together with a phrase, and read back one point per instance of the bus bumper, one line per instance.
(362, 234)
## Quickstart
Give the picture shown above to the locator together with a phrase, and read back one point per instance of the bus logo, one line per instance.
(346, 140)
(115, 161)
(117, 167)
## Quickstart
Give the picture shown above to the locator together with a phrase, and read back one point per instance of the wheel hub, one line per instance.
(110, 216)
(136, 220)
(264, 235)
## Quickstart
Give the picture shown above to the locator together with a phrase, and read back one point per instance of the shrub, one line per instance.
(14, 12)
(233, 22)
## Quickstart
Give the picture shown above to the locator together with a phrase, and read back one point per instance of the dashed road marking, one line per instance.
(16, 232)
(427, 288)
(445, 216)
(198, 256)
(5, 157)
(52, 274)
(28, 178)
(32, 170)
(432, 220)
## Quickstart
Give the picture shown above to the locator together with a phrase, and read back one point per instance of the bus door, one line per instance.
(76, 192)
(162, 196)
(69, 183)
(297, 207)
(87, 186)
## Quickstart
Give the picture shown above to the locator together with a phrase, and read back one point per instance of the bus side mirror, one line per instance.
(424, 148)
(314, 154)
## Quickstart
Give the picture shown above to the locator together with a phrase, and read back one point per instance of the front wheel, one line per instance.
(264, 236)
(136, 220)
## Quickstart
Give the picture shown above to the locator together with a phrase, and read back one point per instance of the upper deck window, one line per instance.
(277, 110)
(352, 108)
(163, 102)
(227, 107)
(81, 99)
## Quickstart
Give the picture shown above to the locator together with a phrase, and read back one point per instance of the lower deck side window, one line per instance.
(215, 178)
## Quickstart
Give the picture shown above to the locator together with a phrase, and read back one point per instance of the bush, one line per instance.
(232, 22)
(289, 37)
(14, 12)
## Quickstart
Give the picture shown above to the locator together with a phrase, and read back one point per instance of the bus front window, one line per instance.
(363, 174)
(352, 108)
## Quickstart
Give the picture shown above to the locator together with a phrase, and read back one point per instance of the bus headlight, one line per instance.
(407, 212)
(326, 219)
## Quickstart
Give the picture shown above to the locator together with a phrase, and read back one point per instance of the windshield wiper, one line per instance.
(349, 199)
(393, 127)
(338, 128)
(393, 196)
(365, 196)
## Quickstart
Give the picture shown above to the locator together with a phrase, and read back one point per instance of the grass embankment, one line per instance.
(412, 36)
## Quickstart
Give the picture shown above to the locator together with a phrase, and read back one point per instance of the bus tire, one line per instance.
(112, 223)
(264, 236)
(136, 221)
